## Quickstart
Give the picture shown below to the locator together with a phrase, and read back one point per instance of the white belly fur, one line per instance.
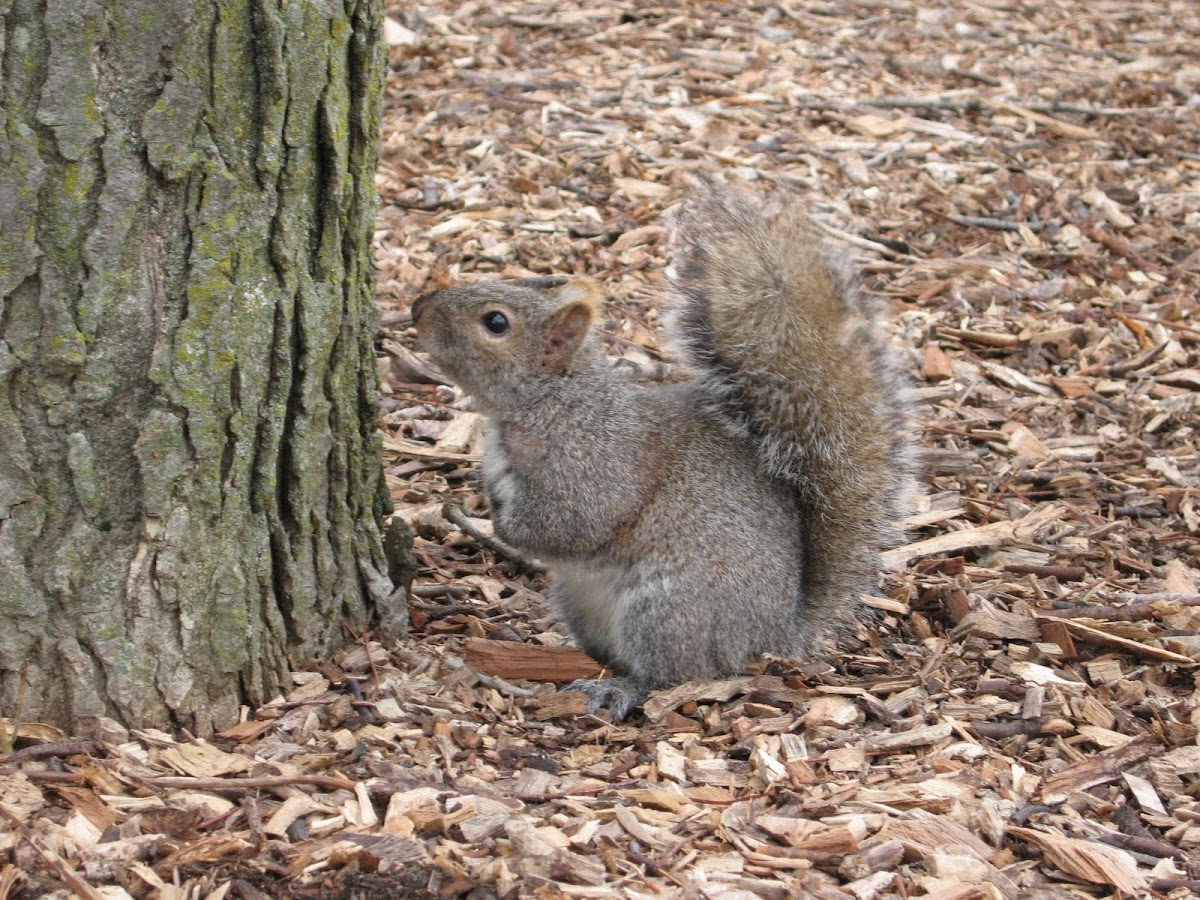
(496, 473)
(597, 598)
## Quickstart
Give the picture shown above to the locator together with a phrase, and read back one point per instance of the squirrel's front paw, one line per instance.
(620, 696)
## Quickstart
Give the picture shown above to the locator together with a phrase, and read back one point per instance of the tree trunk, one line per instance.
(189, 471)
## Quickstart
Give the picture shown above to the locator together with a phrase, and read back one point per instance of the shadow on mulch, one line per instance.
(415, 882)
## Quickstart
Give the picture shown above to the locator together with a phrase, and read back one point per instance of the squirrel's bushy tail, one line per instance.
(794, 355)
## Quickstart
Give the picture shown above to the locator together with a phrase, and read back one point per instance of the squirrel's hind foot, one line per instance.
(620, 696)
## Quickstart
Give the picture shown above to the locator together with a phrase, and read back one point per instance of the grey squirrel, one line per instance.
(693, 527)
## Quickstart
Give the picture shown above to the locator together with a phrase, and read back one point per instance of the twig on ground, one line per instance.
(860, 242)
(993, 224)
(1063, 573)
(1137, 607)
(187, 783)
(57, 748)
(454, 514)
(948, 102)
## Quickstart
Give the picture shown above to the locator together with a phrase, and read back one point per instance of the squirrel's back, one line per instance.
(795, 356)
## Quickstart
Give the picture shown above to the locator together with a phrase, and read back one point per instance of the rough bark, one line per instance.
(189, 474)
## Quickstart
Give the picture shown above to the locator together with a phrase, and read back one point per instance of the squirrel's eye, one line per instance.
(496, 322)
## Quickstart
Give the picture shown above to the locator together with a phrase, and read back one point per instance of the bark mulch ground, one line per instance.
(1021, 181)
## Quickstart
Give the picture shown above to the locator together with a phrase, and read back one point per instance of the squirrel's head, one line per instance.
(496, 337)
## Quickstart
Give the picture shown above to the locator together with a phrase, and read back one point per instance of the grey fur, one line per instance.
(692, 528)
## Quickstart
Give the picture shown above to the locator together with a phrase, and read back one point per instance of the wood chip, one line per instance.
(508, 659)
(1086, 634)
(1103, 767)
(1094, 863)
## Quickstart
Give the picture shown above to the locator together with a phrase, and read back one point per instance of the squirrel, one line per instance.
(690, 528)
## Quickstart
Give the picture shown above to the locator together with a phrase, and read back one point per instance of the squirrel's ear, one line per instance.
(579, 301)
(579, 290)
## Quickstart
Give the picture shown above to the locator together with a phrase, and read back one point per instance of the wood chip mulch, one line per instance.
(1022, 182)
